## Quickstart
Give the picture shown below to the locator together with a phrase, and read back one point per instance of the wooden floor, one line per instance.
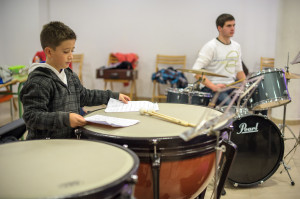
(278, 186)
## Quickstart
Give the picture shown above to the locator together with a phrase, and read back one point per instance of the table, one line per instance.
(16, 79)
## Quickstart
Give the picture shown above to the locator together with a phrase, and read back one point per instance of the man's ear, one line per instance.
(219, 28)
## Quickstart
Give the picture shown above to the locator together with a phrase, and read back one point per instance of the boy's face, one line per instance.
(228, 29)
(62, 56)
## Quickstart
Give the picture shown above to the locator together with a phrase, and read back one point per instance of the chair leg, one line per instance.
(15, 105)
(131, 89)
(105, 85)
(135, 93)
(153, 93)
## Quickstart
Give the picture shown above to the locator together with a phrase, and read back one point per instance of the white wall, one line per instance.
(143, 27)
(288, 43)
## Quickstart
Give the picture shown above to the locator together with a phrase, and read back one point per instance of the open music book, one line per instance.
(111, 121)
(118, 106)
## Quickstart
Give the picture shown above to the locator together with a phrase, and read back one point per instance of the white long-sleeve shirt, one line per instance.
(222, 59)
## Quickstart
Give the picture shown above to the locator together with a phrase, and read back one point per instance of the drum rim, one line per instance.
(187, 150)
(108, 188)
(275, 167)
(278, 99)
(264, 71)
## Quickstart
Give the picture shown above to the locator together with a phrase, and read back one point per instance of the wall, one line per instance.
(287, 44)
(143, 27)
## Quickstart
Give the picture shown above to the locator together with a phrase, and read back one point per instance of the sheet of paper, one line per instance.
(111, 121)
(118, 106)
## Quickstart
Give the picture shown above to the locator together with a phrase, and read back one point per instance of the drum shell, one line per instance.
(182, 96)
(177, 158)
(271, 92)
(260, 150)
(177, 164)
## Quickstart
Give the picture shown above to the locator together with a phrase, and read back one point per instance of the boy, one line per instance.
(52, 95)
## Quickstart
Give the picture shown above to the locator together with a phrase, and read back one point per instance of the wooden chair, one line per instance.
(113, 60)
(77, 63)
(266, 62)
(166, 61)
(5, 98)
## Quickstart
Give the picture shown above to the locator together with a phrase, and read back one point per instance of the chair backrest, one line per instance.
(112, 59)
(78, 59)
(266, 62)
(170, 60)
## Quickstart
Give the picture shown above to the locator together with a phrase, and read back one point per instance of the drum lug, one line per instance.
(125, 145)
(133, 179)
(235, 184)
(155, 169)
(126, 192)
(78, 133)
(261, 182)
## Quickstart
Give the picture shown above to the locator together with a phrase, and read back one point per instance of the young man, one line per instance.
(222, 56)
(52, 95)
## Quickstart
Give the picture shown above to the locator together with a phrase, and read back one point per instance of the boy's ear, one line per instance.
(48, 51)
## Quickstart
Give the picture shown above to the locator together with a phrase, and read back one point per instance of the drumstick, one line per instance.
(166, 117)
(235, 82)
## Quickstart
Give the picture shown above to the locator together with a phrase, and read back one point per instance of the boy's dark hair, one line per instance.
(223, 18)
(54, 33)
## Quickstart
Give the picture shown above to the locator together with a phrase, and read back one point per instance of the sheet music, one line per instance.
(111, 121)
(118, 106)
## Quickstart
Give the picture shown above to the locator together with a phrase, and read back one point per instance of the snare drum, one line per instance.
(271, 92)
(183, 96)
(170, 167)
(66, 169)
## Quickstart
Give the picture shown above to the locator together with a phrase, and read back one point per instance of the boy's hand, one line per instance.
(76, 120)
(124, 98)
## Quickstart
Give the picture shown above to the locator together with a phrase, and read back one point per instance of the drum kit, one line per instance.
(152, 159)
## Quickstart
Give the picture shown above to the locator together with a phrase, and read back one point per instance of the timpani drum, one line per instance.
(66, 169)
(169, 167)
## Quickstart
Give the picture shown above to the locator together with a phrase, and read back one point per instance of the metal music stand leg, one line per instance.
(282, 128)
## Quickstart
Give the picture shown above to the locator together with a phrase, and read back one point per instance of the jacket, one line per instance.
(47, 102)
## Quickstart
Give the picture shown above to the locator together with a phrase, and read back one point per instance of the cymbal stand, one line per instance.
(282, 128)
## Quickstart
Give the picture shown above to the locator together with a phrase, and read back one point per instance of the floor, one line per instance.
(278, 186)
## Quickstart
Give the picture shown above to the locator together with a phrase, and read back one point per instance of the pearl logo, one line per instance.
(244, 129)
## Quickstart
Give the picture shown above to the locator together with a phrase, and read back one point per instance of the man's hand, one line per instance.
(76, 120)
(124, 98)
(217, 87)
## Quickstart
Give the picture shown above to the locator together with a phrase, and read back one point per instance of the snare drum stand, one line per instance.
(282, 128)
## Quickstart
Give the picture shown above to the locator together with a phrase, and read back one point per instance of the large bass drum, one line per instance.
(170, 167)
(260, 150)
(66, 169)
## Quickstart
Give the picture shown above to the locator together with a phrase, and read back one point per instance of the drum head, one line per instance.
(140, 137)
(260, 150)
(64, 168)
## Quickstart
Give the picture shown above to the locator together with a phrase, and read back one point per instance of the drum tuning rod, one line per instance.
(166, 117)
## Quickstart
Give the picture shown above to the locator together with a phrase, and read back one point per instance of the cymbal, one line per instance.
(292, 75)
(201, 72)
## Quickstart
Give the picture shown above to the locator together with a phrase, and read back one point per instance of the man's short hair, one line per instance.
(54, 33)
(223, 18)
